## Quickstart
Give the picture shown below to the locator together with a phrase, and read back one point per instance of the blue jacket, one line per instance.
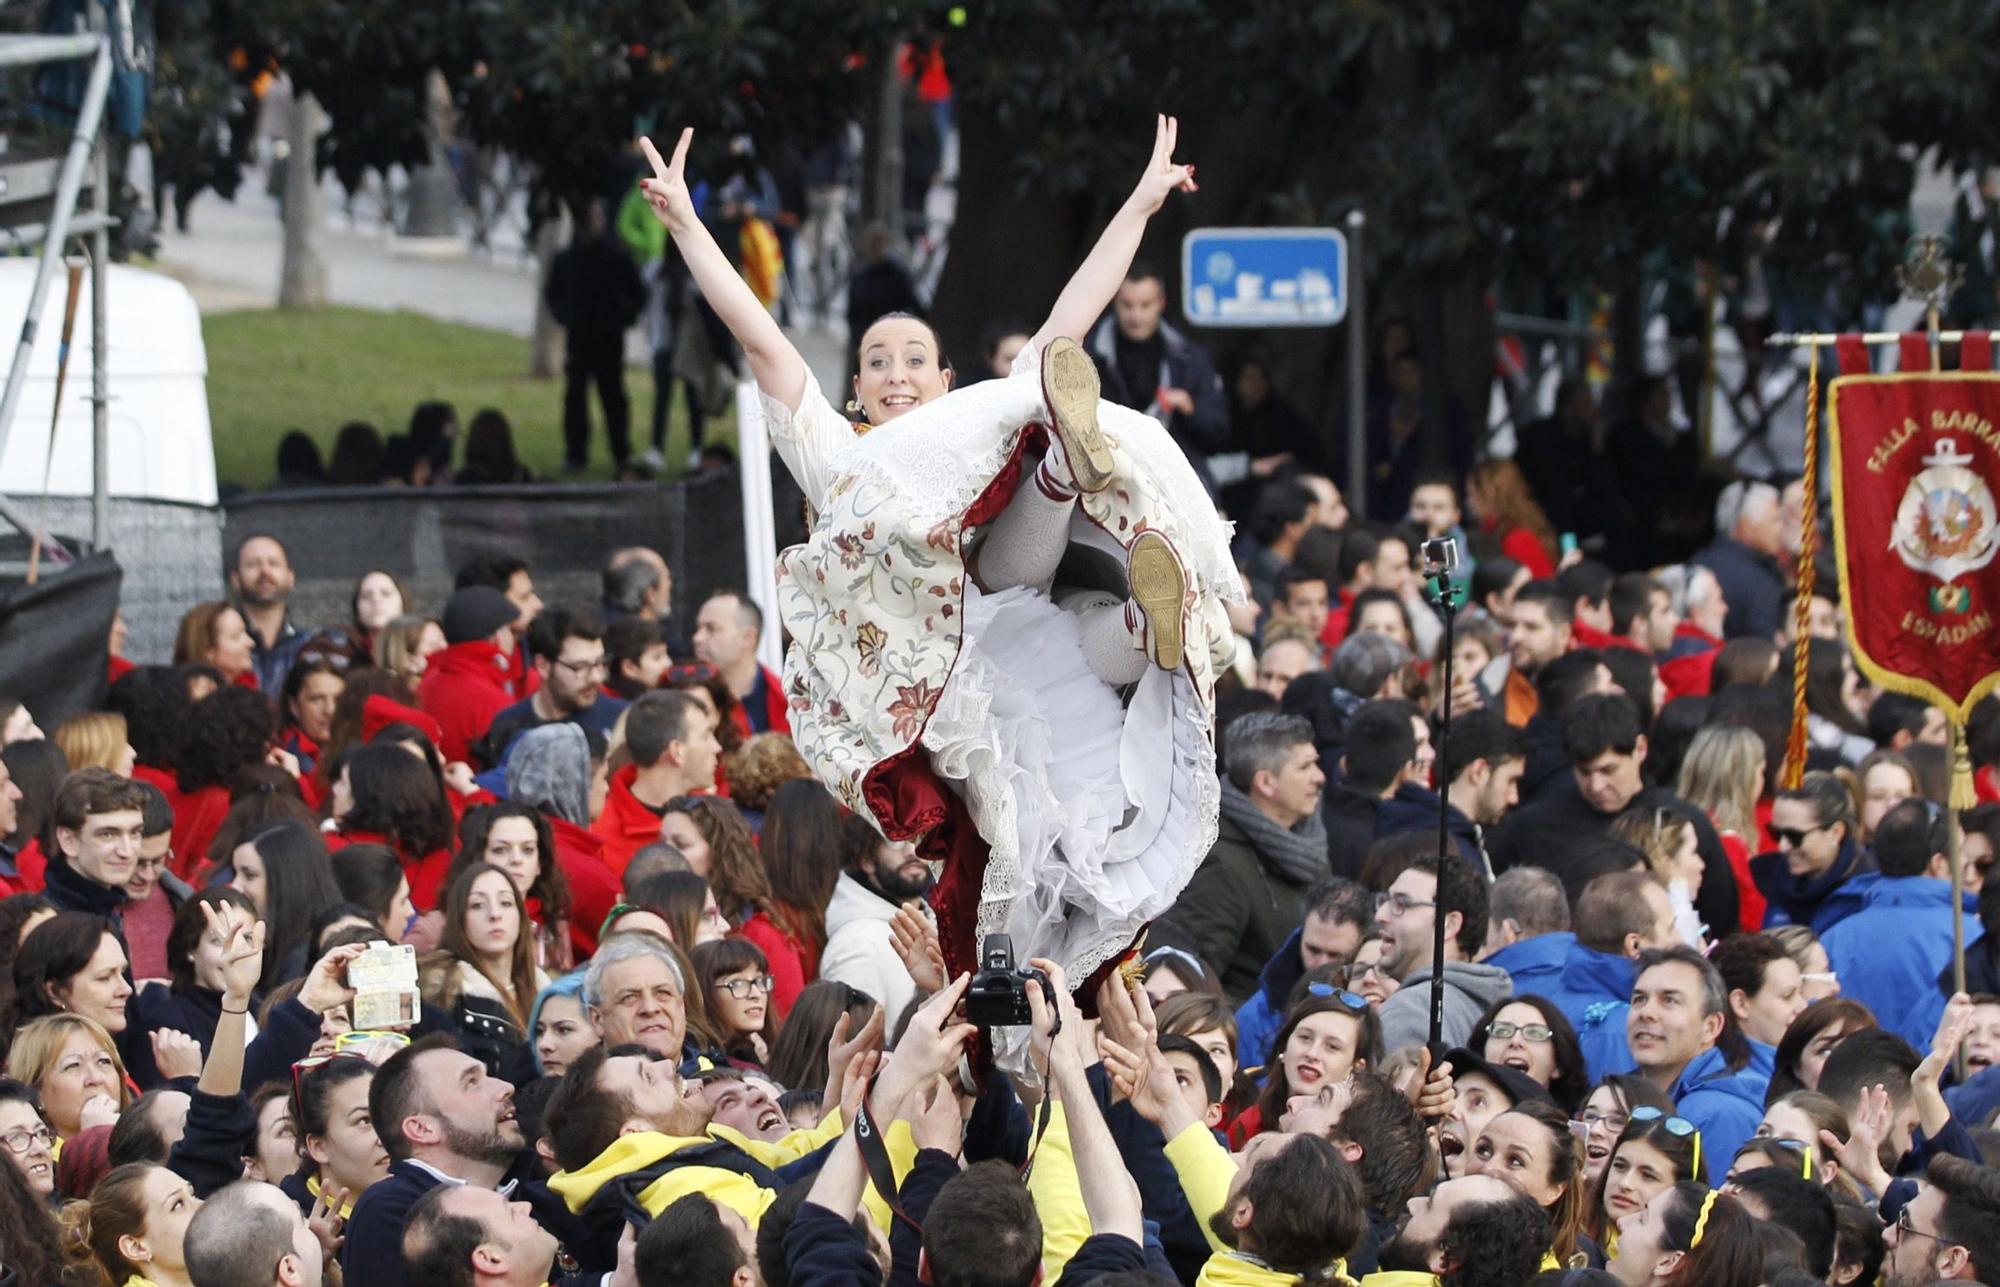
(1889, 953)
(1259, 1018)
(1724, 1106)
(1822, 900)
(1536, 964)
(1595, 994)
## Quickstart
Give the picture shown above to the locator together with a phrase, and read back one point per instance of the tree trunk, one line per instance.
(433, 210)
(302, 281)
(546, 351)
(882, 144)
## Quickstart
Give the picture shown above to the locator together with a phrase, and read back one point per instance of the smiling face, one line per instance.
(740, 1015)
(642, 1003)
(1368, 973)
(899, 369)
(1321, 1049)
(99, 990)
(1604, 1117)
(28, 1143)
(350, 1154)
(745, 1106)
(1636, 1174)
(1407, 936)
(562, 1032)
(1668, 1025)
(1518, 1050)
(106, 849)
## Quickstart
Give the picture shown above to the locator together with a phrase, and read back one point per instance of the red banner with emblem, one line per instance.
(1916, 469)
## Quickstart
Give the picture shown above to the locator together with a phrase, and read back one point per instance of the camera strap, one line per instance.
(875, 1158)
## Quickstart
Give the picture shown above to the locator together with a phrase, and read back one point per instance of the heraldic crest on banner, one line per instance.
(1916, 459)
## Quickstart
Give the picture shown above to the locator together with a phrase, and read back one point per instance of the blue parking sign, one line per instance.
(1264, 277)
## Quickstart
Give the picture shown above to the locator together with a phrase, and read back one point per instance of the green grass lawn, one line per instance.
(271, 371)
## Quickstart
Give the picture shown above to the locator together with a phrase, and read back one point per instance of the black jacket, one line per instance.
(1562, 833)
(1351, 817)
(70, 892)
(596, 293)
(221, 1132)
(1415, 808)
(1751, 584)
(1186, 365)
(195, 1011)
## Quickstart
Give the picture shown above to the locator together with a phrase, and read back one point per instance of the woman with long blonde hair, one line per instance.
(1498, 494)
(1722, 774)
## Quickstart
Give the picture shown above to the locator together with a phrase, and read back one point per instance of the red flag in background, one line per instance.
(1916, 461)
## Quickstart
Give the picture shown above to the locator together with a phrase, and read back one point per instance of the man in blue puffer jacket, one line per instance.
(1684, 1040)
(1619, 916)
(1527, 930)
(1339, 913)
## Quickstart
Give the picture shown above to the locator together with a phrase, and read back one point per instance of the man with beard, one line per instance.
(1475, 1231)
(568, 650)
(877, 877)
(1406, 916)
(263, 580)
(443, 1121)
(630, 1133)
(1950, 1232)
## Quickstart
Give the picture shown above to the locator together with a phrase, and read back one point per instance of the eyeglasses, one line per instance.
(1793, 836)
(1613, 1121)
(1398, 905)
(20, 1139)
(1538, 1033)
(1904, 1229)
(1358, 970)
(1342, 995)
(1679, 1127)
(743, 989)
(601, 666)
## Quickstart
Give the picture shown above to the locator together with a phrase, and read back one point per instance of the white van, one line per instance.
(160, 444)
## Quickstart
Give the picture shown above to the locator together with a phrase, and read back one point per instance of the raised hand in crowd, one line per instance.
(915, 937)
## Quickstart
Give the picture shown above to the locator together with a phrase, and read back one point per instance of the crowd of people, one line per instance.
(681, 1016)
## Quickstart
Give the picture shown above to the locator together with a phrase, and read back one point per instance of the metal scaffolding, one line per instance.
(54, 235)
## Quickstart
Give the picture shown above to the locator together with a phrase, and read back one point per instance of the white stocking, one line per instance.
(1024, 545)
(1114, 638)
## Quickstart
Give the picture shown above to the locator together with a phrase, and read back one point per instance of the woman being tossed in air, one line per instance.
(1067, 773)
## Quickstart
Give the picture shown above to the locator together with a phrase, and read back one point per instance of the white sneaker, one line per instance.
(652, 460)
(694, 461)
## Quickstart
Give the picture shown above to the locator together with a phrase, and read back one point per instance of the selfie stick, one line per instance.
(1440, 559)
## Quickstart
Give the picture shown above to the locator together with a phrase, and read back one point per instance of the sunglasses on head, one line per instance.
(1349, 999)
(1677, 1126)
(1798, 1146)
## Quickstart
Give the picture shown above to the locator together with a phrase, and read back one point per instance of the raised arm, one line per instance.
(1096, 280)
(776, 365)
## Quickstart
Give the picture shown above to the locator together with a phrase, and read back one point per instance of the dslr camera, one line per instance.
(997, 997)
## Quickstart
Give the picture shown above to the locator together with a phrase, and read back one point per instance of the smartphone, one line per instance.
(1568, 544)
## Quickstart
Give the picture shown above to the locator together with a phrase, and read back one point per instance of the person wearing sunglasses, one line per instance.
(1685, 1041)
(1819, 871)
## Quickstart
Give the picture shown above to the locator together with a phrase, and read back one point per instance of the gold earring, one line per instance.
(853, 406)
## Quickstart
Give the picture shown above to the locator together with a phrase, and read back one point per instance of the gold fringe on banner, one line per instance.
(1795, 744)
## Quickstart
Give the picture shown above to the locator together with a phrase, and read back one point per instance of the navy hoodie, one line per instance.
(1818, 900)
(1259, 1018)
(1415, 808)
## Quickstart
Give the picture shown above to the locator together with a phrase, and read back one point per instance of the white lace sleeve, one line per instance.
(807, 439)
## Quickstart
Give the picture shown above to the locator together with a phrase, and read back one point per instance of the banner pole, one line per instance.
(1962, 797)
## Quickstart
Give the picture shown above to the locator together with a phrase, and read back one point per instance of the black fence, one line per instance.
(564, 531)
